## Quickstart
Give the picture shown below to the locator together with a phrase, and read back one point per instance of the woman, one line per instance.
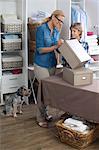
(47, 41)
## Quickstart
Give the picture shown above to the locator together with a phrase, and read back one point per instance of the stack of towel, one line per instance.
(93, 44)
(10, 19)
(76, 125)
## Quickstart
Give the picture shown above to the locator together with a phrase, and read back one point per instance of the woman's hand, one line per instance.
(60, 42)
(52, 48)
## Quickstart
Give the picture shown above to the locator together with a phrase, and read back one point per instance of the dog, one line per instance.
(14, 102)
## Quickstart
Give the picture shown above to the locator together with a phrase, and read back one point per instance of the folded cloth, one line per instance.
(83, 128)
(75, 124)
(73, 121)
(11, 36)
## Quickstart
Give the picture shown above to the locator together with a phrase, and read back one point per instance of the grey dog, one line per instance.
(14, 102)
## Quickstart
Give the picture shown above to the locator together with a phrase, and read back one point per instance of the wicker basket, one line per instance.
(12, 28)
(12, 62)
(75, 138)
(11, 44)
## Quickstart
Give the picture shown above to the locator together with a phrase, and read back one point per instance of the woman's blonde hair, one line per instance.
(77, 26)
(55, 13)
(58, 13)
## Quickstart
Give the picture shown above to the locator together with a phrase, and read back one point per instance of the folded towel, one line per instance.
(11, 36)
(12, 21)
(73, 121)
(75, 124)
(83, 128)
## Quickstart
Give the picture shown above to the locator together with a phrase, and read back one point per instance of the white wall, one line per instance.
(43, 5)
(7, 6)
(92, 9)
(65, 6)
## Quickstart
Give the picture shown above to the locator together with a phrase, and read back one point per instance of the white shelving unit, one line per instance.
(10, 82)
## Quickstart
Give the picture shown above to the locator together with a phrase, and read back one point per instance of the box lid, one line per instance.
(81, 70)
(74, 53)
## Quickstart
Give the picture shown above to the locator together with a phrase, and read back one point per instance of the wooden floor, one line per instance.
(23, 133)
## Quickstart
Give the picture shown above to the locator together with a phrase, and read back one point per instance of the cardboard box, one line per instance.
(74, 53)
(79, 76)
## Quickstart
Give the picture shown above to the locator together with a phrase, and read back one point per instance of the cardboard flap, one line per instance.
(74, 53)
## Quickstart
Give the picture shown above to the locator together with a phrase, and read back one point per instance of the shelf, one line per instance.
(12, 51)
(11, 68)
(3, 33)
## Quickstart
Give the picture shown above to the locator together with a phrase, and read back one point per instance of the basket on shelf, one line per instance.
(11, 62)
(73, 137)
(12, 28)
(11, 44)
